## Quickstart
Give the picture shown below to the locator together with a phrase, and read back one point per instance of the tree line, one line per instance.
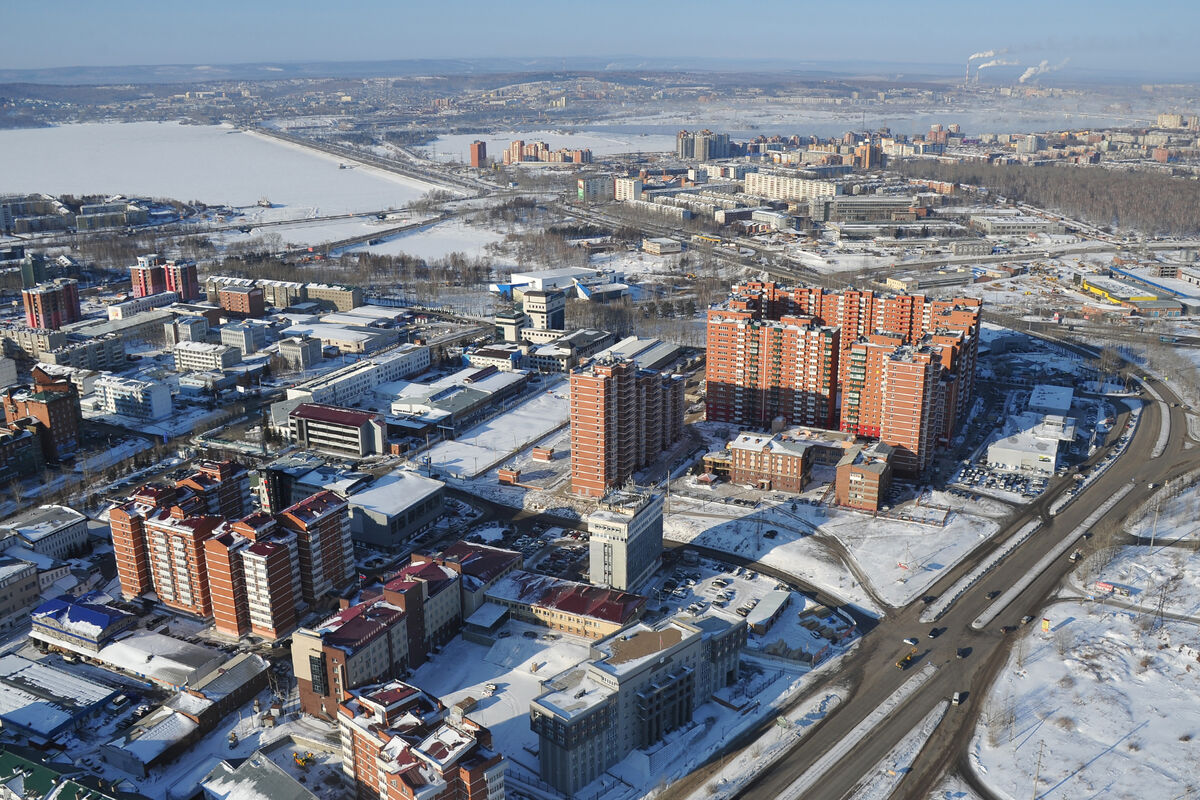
(1151, 202)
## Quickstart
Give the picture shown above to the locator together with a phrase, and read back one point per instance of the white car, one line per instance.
(911, 641)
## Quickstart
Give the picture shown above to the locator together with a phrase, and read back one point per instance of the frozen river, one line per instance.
(216, 165)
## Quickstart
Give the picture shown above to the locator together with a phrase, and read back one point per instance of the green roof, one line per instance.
(36, 779)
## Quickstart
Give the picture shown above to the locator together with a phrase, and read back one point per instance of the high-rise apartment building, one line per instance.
(147, 276)
(193, 545)
(625, 539)
(322, 527)
(901, 368)
(399, 743)
(51, 305)
(626, 189)
(181, 278)
(478, 153)
(621, 419)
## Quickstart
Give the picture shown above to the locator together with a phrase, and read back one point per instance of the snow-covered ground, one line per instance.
(953, 787)
(1110, 702)
(793, 550)
(441, 240)
(482, 447)
(1167, 574)
(213, 164)
(903, 559)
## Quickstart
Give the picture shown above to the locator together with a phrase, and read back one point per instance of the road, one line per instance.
(871, 668)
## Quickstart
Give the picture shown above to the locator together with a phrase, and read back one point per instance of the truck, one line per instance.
(1078, 554)
(905, 662)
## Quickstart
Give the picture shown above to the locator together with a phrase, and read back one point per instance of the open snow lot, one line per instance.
(792, 550)
(439, 241)
(482, 447)
(1169, 574)
(212, 164)
(1112, 704)
(903, 559)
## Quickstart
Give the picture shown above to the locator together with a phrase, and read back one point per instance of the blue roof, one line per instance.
(66, 609)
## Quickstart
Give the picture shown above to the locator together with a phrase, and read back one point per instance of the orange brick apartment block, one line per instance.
(621, 419)
(899, 368)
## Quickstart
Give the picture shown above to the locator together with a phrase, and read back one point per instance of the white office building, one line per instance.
(204, 357)
(132, 398)
(625, 539)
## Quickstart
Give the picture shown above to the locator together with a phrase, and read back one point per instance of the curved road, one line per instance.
(872, 666)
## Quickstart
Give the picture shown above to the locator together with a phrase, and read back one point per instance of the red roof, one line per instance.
(480, 561)
(333, 415)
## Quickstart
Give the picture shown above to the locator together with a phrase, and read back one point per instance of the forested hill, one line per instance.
(1152, 203)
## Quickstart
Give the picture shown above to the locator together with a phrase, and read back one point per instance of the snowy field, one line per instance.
(482, 447)
(1170, 574)
(454, 148)
(441, 240)
(1111, 704)
(213, 164)
(903, 559)
(794, 551)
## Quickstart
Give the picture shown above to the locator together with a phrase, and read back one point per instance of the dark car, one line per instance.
(992, 595)
(935, 632)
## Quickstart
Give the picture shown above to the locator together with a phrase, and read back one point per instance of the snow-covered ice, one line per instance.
(214, 164)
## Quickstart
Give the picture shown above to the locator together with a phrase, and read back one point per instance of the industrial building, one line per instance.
(397, 506)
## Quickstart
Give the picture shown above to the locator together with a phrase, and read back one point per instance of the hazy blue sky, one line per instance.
(1145, 38)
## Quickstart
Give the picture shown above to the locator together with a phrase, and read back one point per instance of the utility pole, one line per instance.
(1038, 772)
(1154, 530)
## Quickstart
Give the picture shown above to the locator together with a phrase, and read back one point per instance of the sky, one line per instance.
(1097, 35)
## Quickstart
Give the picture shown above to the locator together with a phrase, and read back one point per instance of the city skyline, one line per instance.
(1071, 34)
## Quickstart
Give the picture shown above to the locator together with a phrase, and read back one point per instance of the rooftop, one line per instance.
(42, 522)
(580, 599)
(333, 415)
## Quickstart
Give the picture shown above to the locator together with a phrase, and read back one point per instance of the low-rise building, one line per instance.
(300, 352)
(773, 462)
(863, 476)
(204, 357)
(19, 590)
(148, 400)
(244, 337)
(568, 606)
(139, 305)
(55, 531)
(635, 688)
(392, 510)
(332, 429)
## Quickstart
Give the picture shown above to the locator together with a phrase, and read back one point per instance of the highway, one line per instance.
(871, 667)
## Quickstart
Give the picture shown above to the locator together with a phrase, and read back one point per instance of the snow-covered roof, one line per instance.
(41, 522)
(43, 699)
(151, 737)
(164, 659)
(256, 778)
(395, 492)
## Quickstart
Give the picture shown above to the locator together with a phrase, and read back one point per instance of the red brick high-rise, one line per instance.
(181, 278)
(147, 276)
(52, 305)
(478, 151)
(621, 419)
(326, 553)
(900, 368)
